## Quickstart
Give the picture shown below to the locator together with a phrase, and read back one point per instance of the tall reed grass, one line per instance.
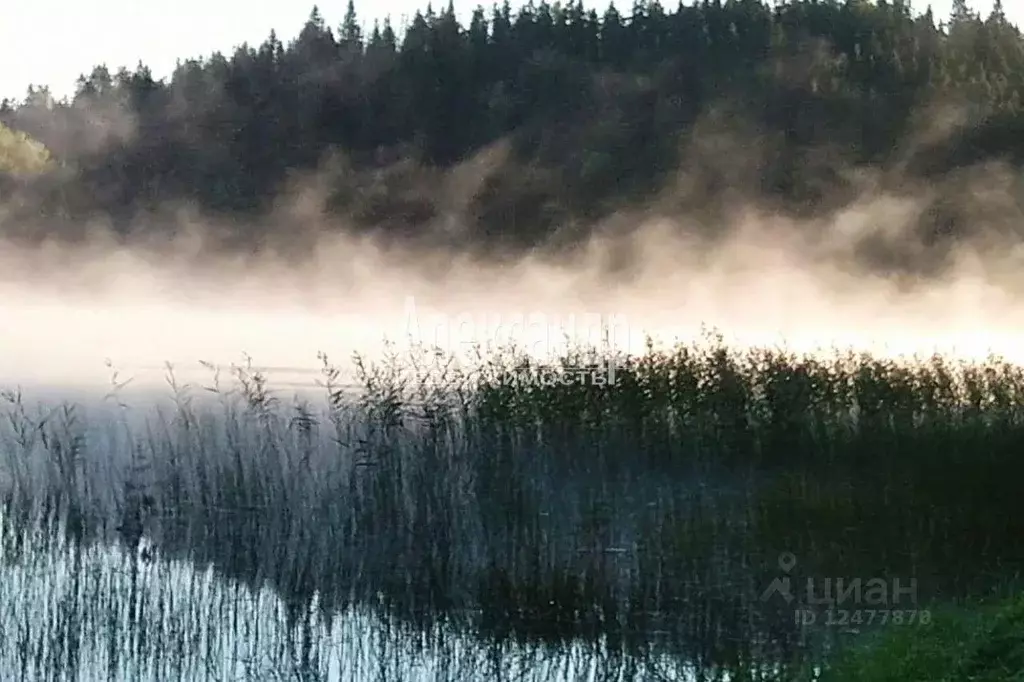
(647, 515)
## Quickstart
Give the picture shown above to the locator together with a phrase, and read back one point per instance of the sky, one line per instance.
(51, 42)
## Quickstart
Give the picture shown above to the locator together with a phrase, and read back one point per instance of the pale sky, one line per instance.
(51, 42)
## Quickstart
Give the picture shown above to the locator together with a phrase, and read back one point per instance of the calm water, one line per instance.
(550, 558)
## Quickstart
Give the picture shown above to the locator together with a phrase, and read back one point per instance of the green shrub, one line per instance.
(980, 644)
(20, 155)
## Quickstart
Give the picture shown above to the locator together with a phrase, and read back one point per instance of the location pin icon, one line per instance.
(787, 560)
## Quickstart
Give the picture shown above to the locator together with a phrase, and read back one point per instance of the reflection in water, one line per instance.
(258, 538)
(100, 614)
(481, 530)
(103, 612)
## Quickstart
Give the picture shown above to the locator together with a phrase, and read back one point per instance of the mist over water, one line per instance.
(865, 275)
(68, 311)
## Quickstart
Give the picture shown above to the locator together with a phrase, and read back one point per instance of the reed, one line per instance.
(515, 502)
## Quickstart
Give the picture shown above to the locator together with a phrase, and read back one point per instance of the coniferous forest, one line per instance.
(562, 116)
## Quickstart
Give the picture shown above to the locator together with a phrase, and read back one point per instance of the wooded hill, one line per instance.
(568, 113)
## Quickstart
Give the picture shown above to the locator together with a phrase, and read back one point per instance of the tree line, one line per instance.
(594, 110)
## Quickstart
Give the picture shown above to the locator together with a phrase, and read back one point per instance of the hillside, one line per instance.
(527, 128)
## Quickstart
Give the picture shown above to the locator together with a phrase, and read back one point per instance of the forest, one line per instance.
(558, 117)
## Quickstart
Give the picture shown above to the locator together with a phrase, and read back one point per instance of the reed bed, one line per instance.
(515, 504)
